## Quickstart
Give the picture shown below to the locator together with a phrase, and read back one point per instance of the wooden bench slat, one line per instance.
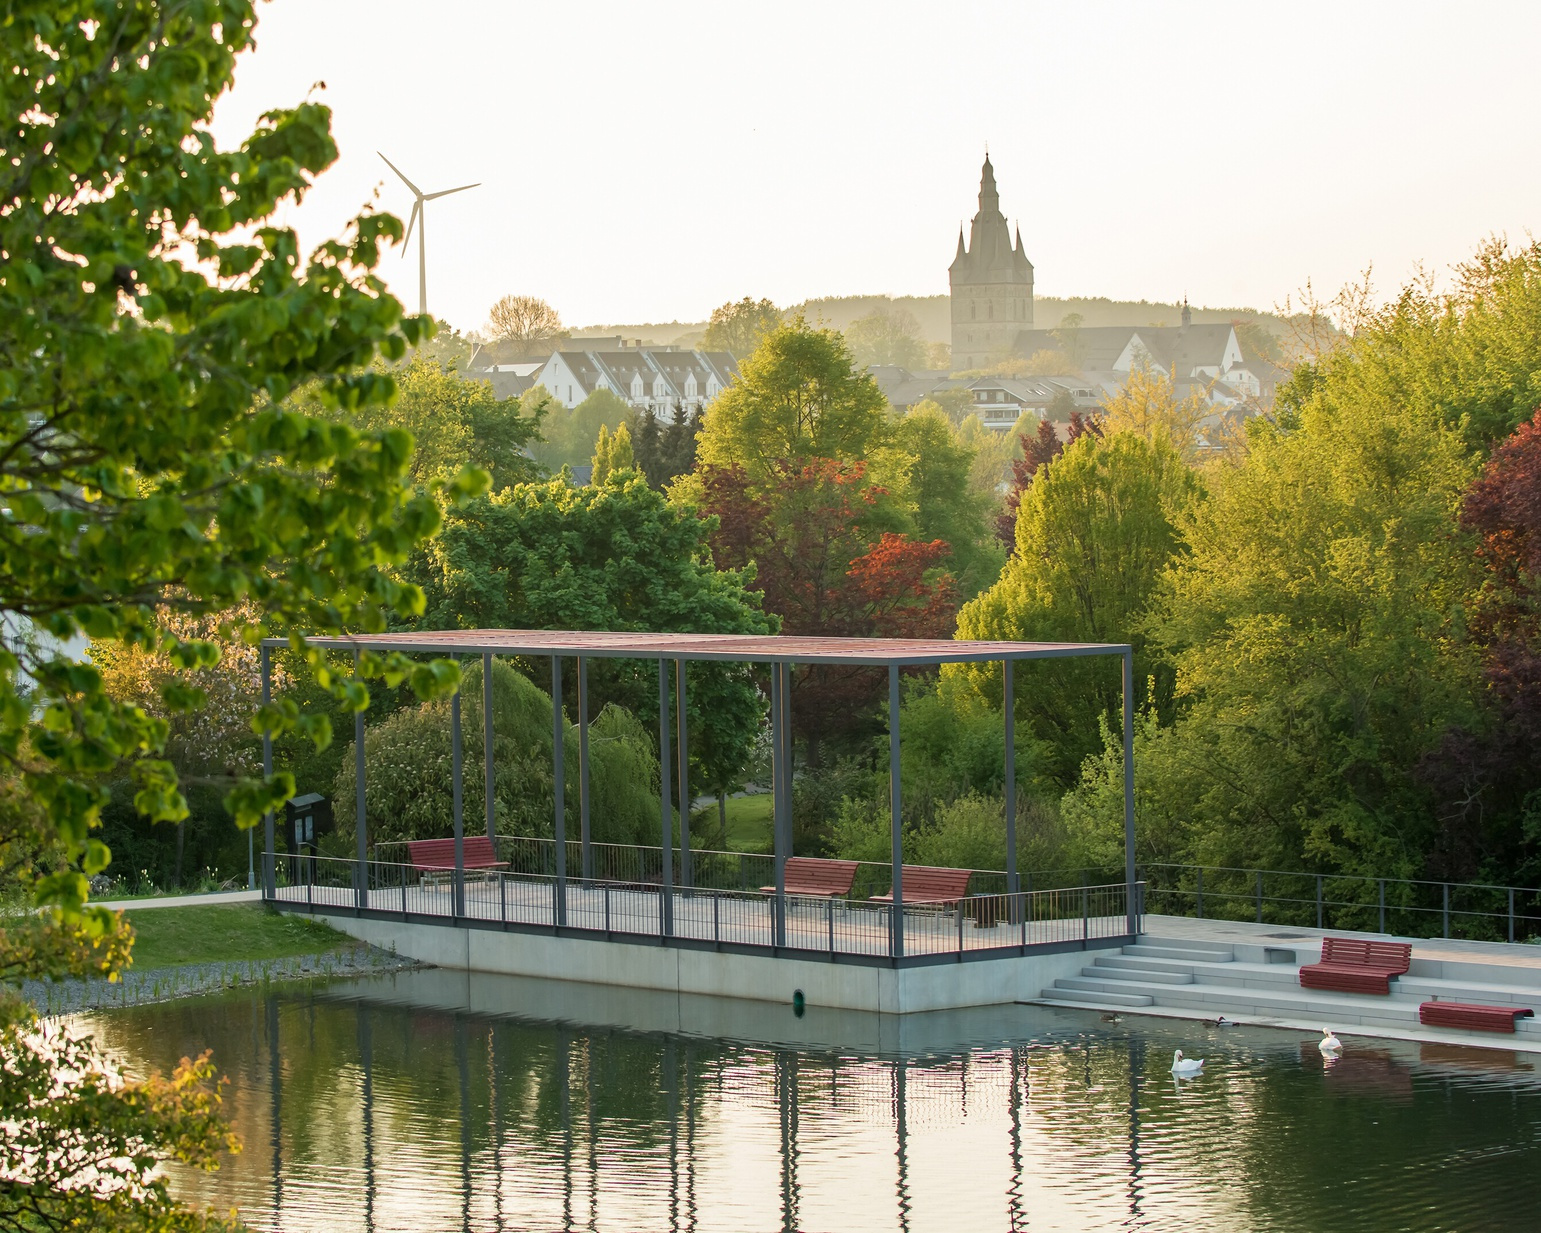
(439, 854)
(1471, 1016)
(1357, 965)
(931, 884)
(813, 875)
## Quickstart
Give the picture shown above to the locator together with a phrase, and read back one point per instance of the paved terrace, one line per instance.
(1003, 924)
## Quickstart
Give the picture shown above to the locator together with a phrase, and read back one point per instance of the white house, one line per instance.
(662, 379)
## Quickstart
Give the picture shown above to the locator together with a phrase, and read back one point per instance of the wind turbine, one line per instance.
(419, 219)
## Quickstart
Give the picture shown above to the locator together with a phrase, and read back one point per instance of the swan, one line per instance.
(1186, 1066)
(1330, 1044)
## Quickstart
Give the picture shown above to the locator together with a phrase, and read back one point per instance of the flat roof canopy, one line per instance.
(732, 648)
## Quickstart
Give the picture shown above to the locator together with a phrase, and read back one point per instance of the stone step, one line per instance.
(1140, 963)
(1322, 1005)
(1222, 949)
(1191, 954)
(1092, 984)
(1081, 998)
(1122, 973)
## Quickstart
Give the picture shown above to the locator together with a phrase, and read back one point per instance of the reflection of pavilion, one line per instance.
(525, 923)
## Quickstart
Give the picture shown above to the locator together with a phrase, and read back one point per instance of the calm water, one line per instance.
(436, 1101)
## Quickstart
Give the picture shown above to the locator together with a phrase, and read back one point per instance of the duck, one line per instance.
(1222, 1021)
(1330, 1044)
(1186, 1066)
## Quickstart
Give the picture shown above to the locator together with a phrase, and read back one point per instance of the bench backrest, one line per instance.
(832, 877)
(930, 884)
(440, 853)
(1362, 952)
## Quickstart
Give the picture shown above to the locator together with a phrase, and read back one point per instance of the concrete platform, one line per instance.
(1193, 969)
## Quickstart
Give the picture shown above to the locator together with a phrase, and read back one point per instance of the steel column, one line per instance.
(492, 807)
(360, 795)
(679, 706)
(269, 889)
(896, 916)
(586, 855)
(1129, 786)
(666, 899)
(1011, 780)
(559, 790)
(779, 784)
(457, 799)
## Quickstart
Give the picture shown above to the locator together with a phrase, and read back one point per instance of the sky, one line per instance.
(645, 162)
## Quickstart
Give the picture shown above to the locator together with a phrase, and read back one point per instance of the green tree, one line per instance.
(1096, 528)
(947, 506)
(150, 464)
(1147, 406)
(570, 436)
(617, 557)
(740, 327)
(796, 397)
(887, 336)
(1317, 625)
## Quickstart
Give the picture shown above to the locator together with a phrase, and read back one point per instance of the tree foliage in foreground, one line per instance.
(152, 324)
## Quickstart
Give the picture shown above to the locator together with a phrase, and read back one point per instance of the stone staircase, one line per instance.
(1260, 983)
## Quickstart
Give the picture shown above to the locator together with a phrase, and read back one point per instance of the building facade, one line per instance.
(662, 379)
(991, 284)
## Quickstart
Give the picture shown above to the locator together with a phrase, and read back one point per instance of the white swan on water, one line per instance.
(1186, 1066)
(1330, 1044)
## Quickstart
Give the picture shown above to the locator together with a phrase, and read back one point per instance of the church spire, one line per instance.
(962, 252)
(989, 196)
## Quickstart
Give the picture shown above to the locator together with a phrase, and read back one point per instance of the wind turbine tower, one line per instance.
(419, 220)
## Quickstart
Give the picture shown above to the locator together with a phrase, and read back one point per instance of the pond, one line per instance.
(405, 1103)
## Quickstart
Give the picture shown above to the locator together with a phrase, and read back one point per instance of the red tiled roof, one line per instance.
(732, 647)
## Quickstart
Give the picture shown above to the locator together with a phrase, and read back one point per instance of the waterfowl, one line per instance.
(1186, 1066)
(1329, 1043)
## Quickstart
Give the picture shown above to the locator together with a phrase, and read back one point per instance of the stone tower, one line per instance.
(992, 284)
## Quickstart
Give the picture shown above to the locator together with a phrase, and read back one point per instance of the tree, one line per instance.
(151, 464)
(797, 397)
(1097, 527)
(946, 504)
(1316, 622)
(455, 423)
(1484, 775)
(617, 557)
(524, 320)
(571, 434)
(1147, 406)
(739, 328)
(887, 336)
(1037, 451)
(826, 567)
(611, 455)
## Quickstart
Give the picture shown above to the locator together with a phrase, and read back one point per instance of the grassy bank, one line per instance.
(173, 937)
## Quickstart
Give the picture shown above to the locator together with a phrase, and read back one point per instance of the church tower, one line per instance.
(992, 284)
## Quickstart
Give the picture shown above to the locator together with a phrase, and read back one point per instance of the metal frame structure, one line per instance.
(781, 653)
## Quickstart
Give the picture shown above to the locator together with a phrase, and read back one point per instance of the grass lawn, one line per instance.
(749, 825)
(167, 937)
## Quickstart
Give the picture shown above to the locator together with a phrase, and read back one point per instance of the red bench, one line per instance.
(929, 884)
(437, 856)
(811, 875)
(1357, 965)
(1471, 1016)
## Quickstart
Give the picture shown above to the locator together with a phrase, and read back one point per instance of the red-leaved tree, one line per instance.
(1488, 781)
(828, 569)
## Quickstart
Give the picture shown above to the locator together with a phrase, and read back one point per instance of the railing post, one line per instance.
(717, 917)
(1260, 896)
(1319, 916)
(1381, 882)
(1085, 916)
(1511, 914)
(1445, 886)
(457, 784)
(1027, 907)
(1201, 892)
(666, 847)
(607, 909)
(960, 928)
(830, 917)
(559, 794)
(503, 898)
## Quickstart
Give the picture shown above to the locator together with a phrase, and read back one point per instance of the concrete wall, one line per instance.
(713, 974)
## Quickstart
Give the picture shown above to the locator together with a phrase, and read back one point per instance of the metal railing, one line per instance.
(631, 907)
(1402, 906)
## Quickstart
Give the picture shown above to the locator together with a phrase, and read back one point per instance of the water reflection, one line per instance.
(427, 1102)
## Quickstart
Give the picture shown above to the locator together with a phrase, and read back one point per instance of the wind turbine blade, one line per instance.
(446, 192)
(404, 179)
(411, 222)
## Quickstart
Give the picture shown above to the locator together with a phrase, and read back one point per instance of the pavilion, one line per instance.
(679, 914)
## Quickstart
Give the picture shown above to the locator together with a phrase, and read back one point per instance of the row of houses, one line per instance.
(665, 380)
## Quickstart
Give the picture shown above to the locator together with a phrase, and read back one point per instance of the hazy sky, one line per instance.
(647, 161)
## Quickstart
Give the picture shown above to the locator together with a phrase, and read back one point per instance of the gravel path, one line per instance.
(137, 988)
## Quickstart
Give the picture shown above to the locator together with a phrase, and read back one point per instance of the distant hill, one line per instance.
(932, 312)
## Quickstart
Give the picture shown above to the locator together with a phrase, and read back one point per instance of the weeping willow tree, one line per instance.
(407, 768)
